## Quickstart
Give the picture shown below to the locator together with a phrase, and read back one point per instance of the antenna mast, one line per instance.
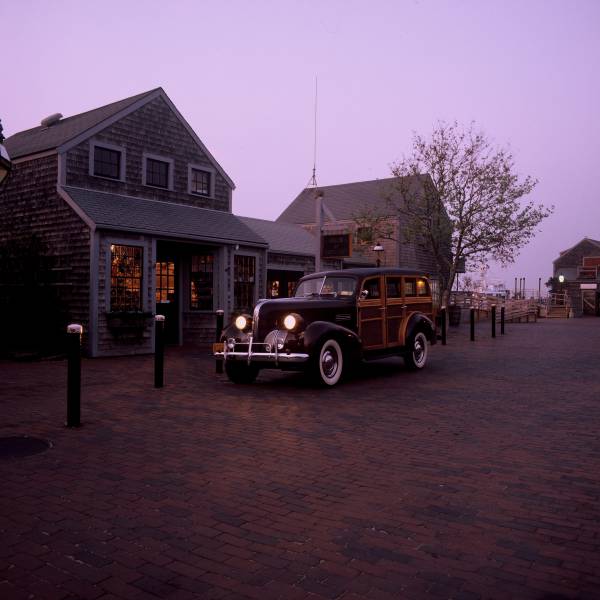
(313, 179)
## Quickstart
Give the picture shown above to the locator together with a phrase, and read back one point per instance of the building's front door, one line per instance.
(371, 314)
(167, 302)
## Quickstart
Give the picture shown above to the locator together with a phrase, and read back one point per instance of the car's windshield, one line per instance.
(326, 286)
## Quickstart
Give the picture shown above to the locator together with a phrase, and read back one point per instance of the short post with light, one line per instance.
(378, 249)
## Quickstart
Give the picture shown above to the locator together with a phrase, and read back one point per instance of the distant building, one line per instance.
(579, 266)
(343, 238)
(291, 254)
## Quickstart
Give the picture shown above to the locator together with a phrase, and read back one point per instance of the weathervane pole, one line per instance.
(318, 194)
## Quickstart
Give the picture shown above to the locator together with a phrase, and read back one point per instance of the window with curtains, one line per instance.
(244, 278)
(201, 282)
(126, 278)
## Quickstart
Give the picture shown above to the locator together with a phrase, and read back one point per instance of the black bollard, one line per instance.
(472, 323)
(493, 320)
(219, 328)
(443, 313)
(159, 350)
(74, 332)
(502, 320)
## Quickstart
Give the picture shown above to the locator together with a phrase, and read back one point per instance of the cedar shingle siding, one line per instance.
(153, 128)
(57, 224)
(45, 287)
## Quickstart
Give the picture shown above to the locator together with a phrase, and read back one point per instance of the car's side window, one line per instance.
(373, 288)
(423, 288)
(393, 287)
(410, 287)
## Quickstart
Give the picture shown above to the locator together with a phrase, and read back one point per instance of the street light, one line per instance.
(4, 159)
(378, 249)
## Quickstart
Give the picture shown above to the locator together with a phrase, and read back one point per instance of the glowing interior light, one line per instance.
(241, 322)
(289, 322)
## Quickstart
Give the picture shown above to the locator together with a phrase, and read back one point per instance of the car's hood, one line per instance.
(269, 314)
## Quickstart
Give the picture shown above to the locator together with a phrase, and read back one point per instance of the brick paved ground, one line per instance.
(478, 478)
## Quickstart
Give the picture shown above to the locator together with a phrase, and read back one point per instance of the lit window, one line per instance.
(126, 278)
(165, 282)
(201, 282)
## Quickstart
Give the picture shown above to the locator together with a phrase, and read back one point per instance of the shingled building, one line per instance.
(116, 214)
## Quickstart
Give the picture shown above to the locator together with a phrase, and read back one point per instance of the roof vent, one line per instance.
(51, 120)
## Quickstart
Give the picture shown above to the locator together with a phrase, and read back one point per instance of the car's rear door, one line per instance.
(371, 314)
(395, 310)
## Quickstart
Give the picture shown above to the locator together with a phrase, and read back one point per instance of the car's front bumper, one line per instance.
(257, 353)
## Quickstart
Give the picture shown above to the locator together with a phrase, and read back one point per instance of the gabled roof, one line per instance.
(71, 131)
(40, 139)
(168, 219)
(346, 200)
(585, 239)
(285, 238)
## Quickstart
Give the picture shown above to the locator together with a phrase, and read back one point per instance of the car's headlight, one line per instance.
(242, 322)
(292, 322)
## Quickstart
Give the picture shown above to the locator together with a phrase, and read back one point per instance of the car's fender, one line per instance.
(417, 321)
(319, 330)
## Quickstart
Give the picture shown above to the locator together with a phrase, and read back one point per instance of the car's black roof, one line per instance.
(365, 271)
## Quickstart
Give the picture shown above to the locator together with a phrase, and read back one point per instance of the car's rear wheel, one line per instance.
(239, 372)
(329, 364)
(416, 353)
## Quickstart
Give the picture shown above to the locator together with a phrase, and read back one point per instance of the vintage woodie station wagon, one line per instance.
(335, 319)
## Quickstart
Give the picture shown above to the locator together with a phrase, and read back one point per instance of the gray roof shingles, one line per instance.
(285, 238)
(169, 219)
(40, 139)
(346, 200)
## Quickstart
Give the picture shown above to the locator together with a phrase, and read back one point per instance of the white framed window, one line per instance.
(126, 278)
(157, 171)
(201, 181)
(107, 160)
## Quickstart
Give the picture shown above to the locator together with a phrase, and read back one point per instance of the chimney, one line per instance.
(51, 120)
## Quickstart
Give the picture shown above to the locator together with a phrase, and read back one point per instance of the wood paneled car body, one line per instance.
(335, 319)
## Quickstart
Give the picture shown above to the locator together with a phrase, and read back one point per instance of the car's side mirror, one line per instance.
(364, 294)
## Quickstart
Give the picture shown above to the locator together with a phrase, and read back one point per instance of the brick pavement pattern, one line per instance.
(476, 478)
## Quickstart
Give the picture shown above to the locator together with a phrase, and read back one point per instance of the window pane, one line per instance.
(126, 278)
(393, 287)
(336, 245)
(157, 173)
(200, 183)
(107, 163)
(165, 282)
(201, 282)
(243, 277)
(372, 286)
(422, 287)
(410, 287)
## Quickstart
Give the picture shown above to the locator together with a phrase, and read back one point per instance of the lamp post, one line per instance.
(378, 249)
(4, 159)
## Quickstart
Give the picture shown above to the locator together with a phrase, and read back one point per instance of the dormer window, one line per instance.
(107, 160)
(201, 181)
(157, 171)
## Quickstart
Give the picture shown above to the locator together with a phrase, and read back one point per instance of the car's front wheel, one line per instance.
(416, 353)
(239, 372)
(329, 364)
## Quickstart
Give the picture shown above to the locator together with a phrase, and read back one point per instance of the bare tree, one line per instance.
(472, 195)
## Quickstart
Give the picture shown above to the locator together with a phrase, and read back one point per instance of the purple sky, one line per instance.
(242, 73)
